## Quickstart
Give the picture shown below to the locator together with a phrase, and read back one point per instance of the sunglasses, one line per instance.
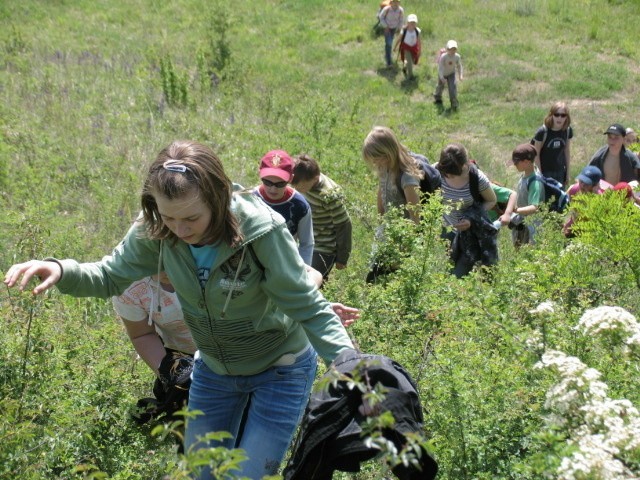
(269, 183)
(560, 115)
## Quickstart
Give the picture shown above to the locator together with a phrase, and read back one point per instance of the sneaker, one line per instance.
(438, 101)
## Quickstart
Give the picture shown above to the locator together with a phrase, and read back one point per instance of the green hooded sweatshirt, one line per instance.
(257, 305)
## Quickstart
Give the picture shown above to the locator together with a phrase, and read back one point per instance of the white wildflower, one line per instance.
(604, 430)
(601, 319)
(633, 340)
(544, 308)
(534, 341)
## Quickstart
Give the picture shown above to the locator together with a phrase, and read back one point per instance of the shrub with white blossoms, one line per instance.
(613, 322)
(606, 432)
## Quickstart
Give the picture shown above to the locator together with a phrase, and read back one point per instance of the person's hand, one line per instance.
(347, 315)
(461, 78)
(505, 218)
(19, 274)
(340, 266)
(463, 225)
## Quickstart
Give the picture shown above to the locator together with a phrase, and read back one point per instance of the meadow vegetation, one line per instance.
(91, 90)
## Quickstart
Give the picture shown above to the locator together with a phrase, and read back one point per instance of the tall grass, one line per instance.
(90, 91)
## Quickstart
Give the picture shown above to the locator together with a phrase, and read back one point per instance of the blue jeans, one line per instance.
(388, 44)
(277, 398)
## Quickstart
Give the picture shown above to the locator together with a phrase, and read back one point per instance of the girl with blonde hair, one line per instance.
(395, 167)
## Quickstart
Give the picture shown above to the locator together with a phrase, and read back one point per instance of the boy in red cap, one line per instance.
(276, 173)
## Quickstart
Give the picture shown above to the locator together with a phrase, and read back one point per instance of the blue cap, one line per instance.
(590, 175)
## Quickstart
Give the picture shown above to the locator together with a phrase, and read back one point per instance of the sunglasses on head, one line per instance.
(560, 115)
(269, 183)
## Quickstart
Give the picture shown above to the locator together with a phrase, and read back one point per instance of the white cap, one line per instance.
(412, 18)
(452, 44)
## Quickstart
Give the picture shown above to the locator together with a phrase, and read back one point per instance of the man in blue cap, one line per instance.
(588, 181)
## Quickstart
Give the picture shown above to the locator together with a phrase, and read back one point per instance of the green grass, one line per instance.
(83, 112)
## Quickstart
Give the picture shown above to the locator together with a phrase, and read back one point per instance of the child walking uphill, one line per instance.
(398, 184)
(276, 172)
(553, 144)
(409, 43)
(331, 222)
(256, 317)
(530, 193)
(448, 64)
(391, 19)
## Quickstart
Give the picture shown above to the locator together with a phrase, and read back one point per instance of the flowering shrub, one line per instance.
(604, 432)
(613, 322)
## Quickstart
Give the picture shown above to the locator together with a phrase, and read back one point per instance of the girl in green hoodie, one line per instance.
(255, 315)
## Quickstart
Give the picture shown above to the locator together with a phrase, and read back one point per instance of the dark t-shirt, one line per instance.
(552, 158)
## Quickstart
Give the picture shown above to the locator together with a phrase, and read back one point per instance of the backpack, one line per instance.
(377, 28)
(431, 180)
(474, 188)
(439, 55)
(554, 195)
(544, 137)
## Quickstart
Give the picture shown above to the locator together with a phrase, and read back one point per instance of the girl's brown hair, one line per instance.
(382, 144)
(548, 120)
(453, 158)
(187, 167)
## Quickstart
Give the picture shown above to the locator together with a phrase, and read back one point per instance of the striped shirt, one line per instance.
(331, 222)
(460, 198)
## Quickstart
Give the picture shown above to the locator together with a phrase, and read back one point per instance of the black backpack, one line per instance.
(474, 188)
(554, 195)
(431, 180)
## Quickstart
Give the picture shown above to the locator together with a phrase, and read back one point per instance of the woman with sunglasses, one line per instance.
(552, 142)
(254, 313)
(276, 173)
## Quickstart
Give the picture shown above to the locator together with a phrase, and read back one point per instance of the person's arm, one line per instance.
(305, 237)
(538, 146)
(505, 218)
(379, 202)
(412, 196)
(334, 204)
(535, 198)
(146, 341)
(489, 197)
(343, 243)
(460, 70)
(134, 258)
(383, 17)
(48, 273)
(441, 68)
(567, 158)
(291, 289)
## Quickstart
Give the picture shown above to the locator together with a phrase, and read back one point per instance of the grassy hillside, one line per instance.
(91, 90)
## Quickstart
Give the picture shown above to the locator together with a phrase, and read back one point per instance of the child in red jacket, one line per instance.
(409, 44)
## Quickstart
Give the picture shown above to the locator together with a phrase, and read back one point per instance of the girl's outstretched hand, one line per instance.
(47, 272)
(347, 315)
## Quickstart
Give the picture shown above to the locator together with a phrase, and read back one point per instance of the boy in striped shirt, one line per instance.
(331, 222)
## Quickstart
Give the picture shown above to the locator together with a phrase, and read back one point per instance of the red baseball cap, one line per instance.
(277, 163)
